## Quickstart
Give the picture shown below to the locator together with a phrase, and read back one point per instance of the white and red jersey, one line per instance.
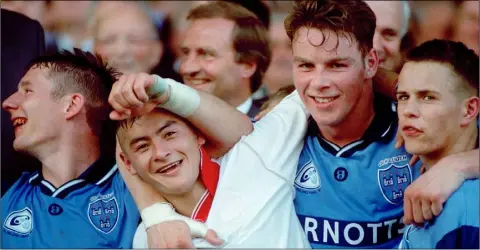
(252, 205)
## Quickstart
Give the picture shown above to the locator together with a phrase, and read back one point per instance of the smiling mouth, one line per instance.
(18, 122)
(170, 167)
(323, 100)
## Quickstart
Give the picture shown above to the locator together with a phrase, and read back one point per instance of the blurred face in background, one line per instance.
(391, 27)
(126, 36)
(466, 24)
(279, 73)
(208, 58)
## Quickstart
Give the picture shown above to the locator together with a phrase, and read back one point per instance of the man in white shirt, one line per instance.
(166, 152)
(225, 52)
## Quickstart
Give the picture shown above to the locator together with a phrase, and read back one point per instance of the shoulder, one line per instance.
(21, 185)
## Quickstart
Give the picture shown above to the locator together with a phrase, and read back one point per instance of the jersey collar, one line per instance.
(381, 129)
(98, 173)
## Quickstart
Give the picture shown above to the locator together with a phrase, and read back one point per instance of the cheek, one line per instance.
(141, 52)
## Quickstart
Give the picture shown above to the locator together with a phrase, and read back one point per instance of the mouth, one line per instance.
(323, 100)
(411, 131)
(198, 82)
(170, 168)
(18, 122)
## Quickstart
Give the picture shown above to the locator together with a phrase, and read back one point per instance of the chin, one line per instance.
(416, 148)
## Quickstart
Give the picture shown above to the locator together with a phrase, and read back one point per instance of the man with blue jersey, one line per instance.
(437, 110)
(351, 180)
(78, 199)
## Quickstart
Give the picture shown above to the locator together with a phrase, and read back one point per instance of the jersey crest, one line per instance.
(307, 178)
(20, 222)
(103, 213)
(393, 181)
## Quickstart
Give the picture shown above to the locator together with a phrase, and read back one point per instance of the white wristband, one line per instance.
(182, 99)
(161, 212)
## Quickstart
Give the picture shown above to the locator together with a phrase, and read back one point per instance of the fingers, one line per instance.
(426, 211)
(398, 140)
(129, 93)
(414, 160)
(407, 212)
(437, 208)
(417, 211)
(213, 238)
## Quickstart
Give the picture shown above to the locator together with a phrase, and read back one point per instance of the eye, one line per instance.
(169, 134)
(428, 98)
(338, 65)
(141, 147)
(305, 66)
(402, 97)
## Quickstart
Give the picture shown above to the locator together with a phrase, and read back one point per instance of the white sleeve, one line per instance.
(278, 137)
(140, 237)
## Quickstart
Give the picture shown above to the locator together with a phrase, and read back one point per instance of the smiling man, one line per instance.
(437, 110)
(225, 52)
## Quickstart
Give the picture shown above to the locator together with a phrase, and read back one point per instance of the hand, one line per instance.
(425, 197)
(176, 234)
(129, 97)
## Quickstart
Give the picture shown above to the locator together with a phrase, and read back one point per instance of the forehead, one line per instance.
(151, 122)
(307, 41)
(213, 32)
(37, 77)
(426, 75)
(130, 18)
(389, 14)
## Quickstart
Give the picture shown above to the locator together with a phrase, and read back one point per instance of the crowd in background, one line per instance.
(147, 37)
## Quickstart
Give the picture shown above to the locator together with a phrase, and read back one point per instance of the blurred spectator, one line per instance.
(280, 71)
(465, 24)
(125, 34)
(35, 10)
(225, 52)
(22, 40)
(393, 19)
(431, 20)
(67, 26)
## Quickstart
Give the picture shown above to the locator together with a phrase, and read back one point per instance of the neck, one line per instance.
(465, 142)
(356, 123)
(185, 203)
(239, 96)
(67, 158)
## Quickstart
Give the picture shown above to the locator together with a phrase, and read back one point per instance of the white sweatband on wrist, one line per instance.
(182, 99)
(161, 211)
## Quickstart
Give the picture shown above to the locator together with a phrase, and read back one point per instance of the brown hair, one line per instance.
(250, 38)
(346, 17)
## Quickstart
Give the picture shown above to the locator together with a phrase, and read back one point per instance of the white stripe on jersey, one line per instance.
(199, 204)
(110, 173)
(48, 185)
(66, 186)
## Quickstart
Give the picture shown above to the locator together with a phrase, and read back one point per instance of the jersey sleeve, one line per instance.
(277, 139)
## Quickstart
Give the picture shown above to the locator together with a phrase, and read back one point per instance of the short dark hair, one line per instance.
(464, 61)
(84, 73)
(250, 37)
(346, 17)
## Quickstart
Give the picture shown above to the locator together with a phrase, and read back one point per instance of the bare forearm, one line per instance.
(384, 82)
(221, 123)
(468, 163)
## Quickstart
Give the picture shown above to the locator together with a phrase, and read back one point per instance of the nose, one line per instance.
(321, 80)
(378, 45)
(408, 108)
(189, 65)
(12, 102)
(161, 151)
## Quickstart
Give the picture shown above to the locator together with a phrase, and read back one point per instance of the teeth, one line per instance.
(198, 82)
(324, 100)
(169, 167)
(19, 121)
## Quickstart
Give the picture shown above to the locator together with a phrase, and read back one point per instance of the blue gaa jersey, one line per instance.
(456, 227)
(96, 210)
(352, 196)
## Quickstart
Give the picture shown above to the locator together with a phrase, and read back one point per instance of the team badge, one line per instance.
(20, 222)
(307, 178)
(103, 214)
(393, 181)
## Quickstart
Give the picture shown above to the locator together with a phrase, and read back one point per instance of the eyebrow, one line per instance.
(331, 60)
(421, 92)
(141, 138)
(24, 84)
